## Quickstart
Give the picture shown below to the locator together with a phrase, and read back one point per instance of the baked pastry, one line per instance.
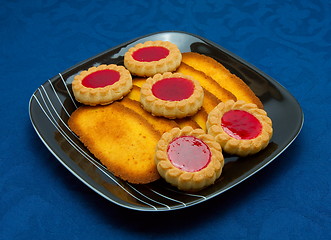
(240, 128)
(171, 95)
(222, 76)
(152, 57)
(188, 158)
(102, 85)
(207, 83)
(120, 138)
(159, 124)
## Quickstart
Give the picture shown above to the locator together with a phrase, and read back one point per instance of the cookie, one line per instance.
(222, 76)
(171, 95)
(189, 159)
(240, 128)
(125, 144)
(101, 85)
(152, 57)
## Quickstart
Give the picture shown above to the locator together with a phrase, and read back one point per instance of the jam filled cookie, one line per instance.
(240, 128)
(171, 95)
(147, 59)
(102, 85)
(189, 159)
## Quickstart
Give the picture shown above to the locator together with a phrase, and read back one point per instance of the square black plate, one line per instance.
(52, 103)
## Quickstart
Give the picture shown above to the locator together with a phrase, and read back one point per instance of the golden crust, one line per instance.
(189, 181)
(171, 109)
(102, 95)
(158, 123)
(148, 69)
(125, 144)
(207, 82)
(222, 76)
(235, 146)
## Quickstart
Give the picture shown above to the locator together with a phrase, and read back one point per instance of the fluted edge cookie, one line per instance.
(171, 95)
(196, 168)
(102, 85)
(152, 57)
(240, 128)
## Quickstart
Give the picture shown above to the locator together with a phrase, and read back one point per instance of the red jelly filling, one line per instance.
(241, 124)
(173, 89)
(189, 153)
(150, 54)
(101, 78)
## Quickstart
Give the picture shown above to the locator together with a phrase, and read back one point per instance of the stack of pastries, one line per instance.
(167, 114)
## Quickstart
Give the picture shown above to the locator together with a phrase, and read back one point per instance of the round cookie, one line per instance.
(152, 57)
(189, 159)
(240, 128)
(102, 85)
(171, 95)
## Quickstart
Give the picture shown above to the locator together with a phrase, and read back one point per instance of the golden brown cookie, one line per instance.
(222, 76)
(152, 57)
(102, 85)
(240, 128)
(171, 95)
(206, 82)
(120, 138)
(189, 158)
(160, 124)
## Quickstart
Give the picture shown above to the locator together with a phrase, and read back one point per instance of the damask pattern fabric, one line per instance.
(288, 40)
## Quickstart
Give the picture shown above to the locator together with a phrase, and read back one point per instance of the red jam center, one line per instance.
(189, 153)
(101, 78)
(241, 124)
(173, 89)
(150, 54)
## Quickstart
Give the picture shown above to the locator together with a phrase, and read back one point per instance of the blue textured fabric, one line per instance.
(288, 40)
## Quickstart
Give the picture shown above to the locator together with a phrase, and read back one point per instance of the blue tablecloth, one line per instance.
(288, 40)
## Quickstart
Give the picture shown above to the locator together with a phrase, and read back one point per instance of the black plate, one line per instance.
(52, 103)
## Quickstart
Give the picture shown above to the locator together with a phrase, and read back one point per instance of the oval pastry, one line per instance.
(102, 85)
(189, 159)
(147, 59)
(171, 95)
(240, 128)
